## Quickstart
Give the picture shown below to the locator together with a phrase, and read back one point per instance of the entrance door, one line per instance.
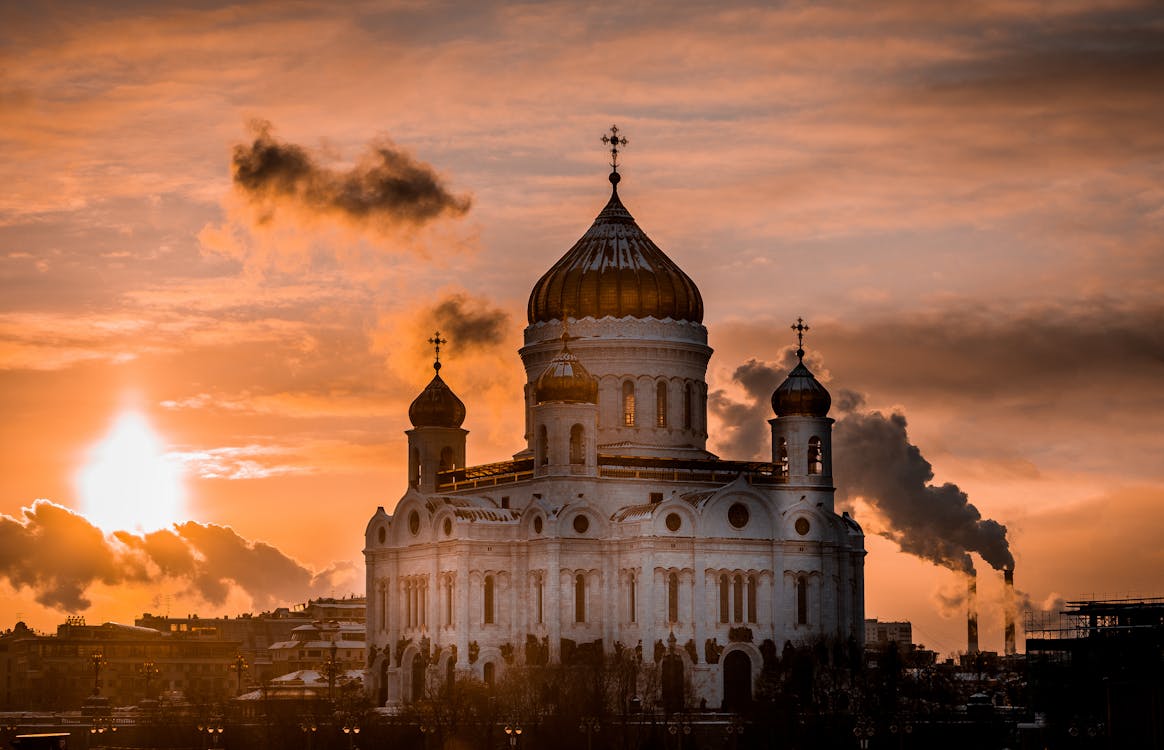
(737, 681)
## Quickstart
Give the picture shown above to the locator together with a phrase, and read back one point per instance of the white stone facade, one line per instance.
(615, 530)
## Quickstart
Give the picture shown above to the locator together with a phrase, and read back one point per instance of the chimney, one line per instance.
(972, 614)
(1008, 605)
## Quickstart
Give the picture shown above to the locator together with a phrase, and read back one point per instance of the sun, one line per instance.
(129, 484)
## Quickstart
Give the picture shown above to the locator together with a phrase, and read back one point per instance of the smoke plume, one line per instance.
(872, 459)
(59, 554)
(469, 322)
(386, 188)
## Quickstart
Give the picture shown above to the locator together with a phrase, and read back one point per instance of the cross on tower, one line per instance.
(436, 341)
(614, 140)
(800, 328)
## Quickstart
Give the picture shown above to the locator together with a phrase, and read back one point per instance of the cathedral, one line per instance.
(613, 531)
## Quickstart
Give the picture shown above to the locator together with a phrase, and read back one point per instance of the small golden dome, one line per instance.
(801, 395)
(437, 405)
(566, 380)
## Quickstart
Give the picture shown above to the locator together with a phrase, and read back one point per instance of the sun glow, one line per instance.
(129, 483)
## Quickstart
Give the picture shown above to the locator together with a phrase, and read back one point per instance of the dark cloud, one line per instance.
(469, 322)
(386, 189)
(873, 459)
(58, 555)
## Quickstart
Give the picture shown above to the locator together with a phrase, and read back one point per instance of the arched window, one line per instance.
(738, 597)
(543, 448)
(688, 406)
(449, 602)
(580, 598)
(628, 404)
(633, 596)
(751, 598)
(577, 445)
(815, 456)
(801, 601)
(661, 404)
(782, 455)
(488, 597)
(446, 459)
(539, 586)
(673, 598)
(723, 598)
(488, 672)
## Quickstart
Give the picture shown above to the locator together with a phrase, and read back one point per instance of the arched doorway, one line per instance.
(737, 681)
(382, 693)
(417, 678)
(673, 699)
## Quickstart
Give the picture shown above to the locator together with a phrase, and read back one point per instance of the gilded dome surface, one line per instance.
(615, 270)
(437, 405)
(565, 379)
(801, 395)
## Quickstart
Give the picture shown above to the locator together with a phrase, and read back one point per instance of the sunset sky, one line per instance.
(966, 203)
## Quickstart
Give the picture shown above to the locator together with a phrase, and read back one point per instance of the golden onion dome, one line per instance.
(801, 394)
(437, 405)
(566, 380)
(615, 270)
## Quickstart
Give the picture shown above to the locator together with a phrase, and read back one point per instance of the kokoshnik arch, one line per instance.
(613, 531)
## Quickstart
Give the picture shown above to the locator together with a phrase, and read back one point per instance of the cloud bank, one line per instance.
(58, 554)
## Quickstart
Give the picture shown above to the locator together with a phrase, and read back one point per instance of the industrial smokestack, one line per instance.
(1008, 605)
(971, 613)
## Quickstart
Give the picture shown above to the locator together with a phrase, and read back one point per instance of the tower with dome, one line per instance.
(612, 532)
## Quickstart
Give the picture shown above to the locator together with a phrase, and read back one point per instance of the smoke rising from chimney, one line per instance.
(873, 459)
(58, 554)
(972, 613)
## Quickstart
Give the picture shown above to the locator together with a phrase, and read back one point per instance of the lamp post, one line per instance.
(309, 729)
(734, 729)
(427, 729)
(512, 731)
(679, 728)
(149, 670)
(591, 726)
(99, 727)
(901, 729)
(331, 669)
(351, 729)
(97, 659)
(213, 730)
(238, 667)
(864, 732)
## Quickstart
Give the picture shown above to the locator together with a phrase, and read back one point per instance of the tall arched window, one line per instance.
(815, 456)
(449, 602)
(661, 404)
(446, 458)
(577, 445)
(488, 600)
(580, 598)
(543, 447)
(801, 601)
(688, 405)
(633, 603)
(782, 455)
(738, 597)
(539, 585)
(751, 598)
(673, 598)
(723, 598)
(628, 404)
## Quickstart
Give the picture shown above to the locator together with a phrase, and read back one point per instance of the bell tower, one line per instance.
(436, 441)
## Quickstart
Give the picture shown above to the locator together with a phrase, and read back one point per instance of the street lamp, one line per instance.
(679, 728)
(590, 725)
(331, 669)
(213, 730)
(309, 729)
(734, 729)
(351, 729)
(864, 732)
(97, 659)
(149, 670)
(512, 731)
(101, 725)
(426, 728)
(901, 729)
(238, 667)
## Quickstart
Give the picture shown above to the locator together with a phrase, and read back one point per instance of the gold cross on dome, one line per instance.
(615, 141)
(800, 328)
(436, 341)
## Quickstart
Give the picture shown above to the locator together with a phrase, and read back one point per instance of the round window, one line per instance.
(738, 515)
(381, 535)
(537, 524)
(414, 522)
(802, 526)
(448, 527)
(581, 524)
(673, 521)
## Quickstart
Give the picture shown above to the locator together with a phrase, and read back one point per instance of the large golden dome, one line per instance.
(615, 270)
